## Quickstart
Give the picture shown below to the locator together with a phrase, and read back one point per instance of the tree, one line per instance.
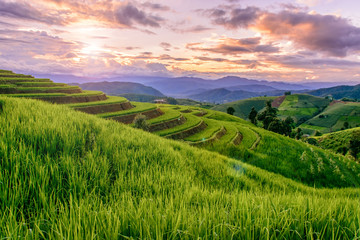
(268, 115)
(230, 110)
(298, 134)
(346, 125)
(287, 93)
(252, 116)
(276, 126)
(172, 101)
(288, 125)
(141, 123)
(318, 133)
(354, 144)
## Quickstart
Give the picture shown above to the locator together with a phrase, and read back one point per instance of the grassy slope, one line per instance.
(138, 108)
(243, 107)
(302, 106)
(335, 116)
(69, 175)
(336, 141)
(110, 100)
(291, 158)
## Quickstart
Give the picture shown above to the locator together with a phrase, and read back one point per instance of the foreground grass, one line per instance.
(68, 175)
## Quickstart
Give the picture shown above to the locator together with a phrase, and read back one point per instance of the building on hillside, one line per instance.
(160, 101)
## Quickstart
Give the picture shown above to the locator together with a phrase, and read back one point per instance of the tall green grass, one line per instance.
(139, 107)
(191, 121)
(68, 175)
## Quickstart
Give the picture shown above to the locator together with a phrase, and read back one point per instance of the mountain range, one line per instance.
(222, 90)
(118, 88)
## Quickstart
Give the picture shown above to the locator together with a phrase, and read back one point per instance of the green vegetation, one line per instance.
(337, 142)
(138, 108)
(140, 122)
(177, 101)
(243, 107)
(35, 89)
(169, 114)
(86, 177)
(120, 182)
(46, 95)
(191, 121)
(302, 107)
(230, 110)
(334, 117)
(354, 144)
(109, 100)
(21, 79)
(212, 127)
(39, 84)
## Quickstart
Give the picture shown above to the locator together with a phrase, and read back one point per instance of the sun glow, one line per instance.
(92, 50)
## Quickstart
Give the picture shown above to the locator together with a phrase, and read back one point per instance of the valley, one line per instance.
(86, 168)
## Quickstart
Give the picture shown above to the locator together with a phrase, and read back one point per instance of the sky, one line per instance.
(277, 40)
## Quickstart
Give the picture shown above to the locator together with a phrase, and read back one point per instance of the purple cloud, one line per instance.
(23, 10)
(128, 15)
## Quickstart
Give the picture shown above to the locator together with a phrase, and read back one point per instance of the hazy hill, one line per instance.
(221, 95)
(339, 92)
(225, 95)
(186, 86)
(117, 88)
(236, 81)
(253, 88)
(243, 107)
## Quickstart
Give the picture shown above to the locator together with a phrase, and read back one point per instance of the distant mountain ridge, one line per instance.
(181, 87)
(118, 88)
(224, 95)
(338, 92)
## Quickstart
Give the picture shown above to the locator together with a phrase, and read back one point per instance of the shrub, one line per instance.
(141, 123)
(318, 133)
(230, 110)
(354, 144)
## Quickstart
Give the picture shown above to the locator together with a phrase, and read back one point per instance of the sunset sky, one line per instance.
(299, 40)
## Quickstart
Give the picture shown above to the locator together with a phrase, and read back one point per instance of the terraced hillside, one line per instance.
(302, 107)
(219, 132)
(93, 102)
(243, 107)
(309, 112)
(337, 141)
(70, 175)
(334, 117)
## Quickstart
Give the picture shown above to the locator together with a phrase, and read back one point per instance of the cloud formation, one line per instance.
(121, 14)
(24, 11)
(329, 34)
(234, 18)
(332, 35)
(128, 15)
(231, 46)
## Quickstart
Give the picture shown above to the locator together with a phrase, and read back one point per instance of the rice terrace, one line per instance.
(151, 120)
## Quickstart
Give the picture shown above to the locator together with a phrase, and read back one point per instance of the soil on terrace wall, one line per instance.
(16, 91)
(168, 124)
(128, 119)
(238, 139)
(72, 99)
(218, 135)
(105, 108)
(278, 101)
(188, 132)
(200, 114)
